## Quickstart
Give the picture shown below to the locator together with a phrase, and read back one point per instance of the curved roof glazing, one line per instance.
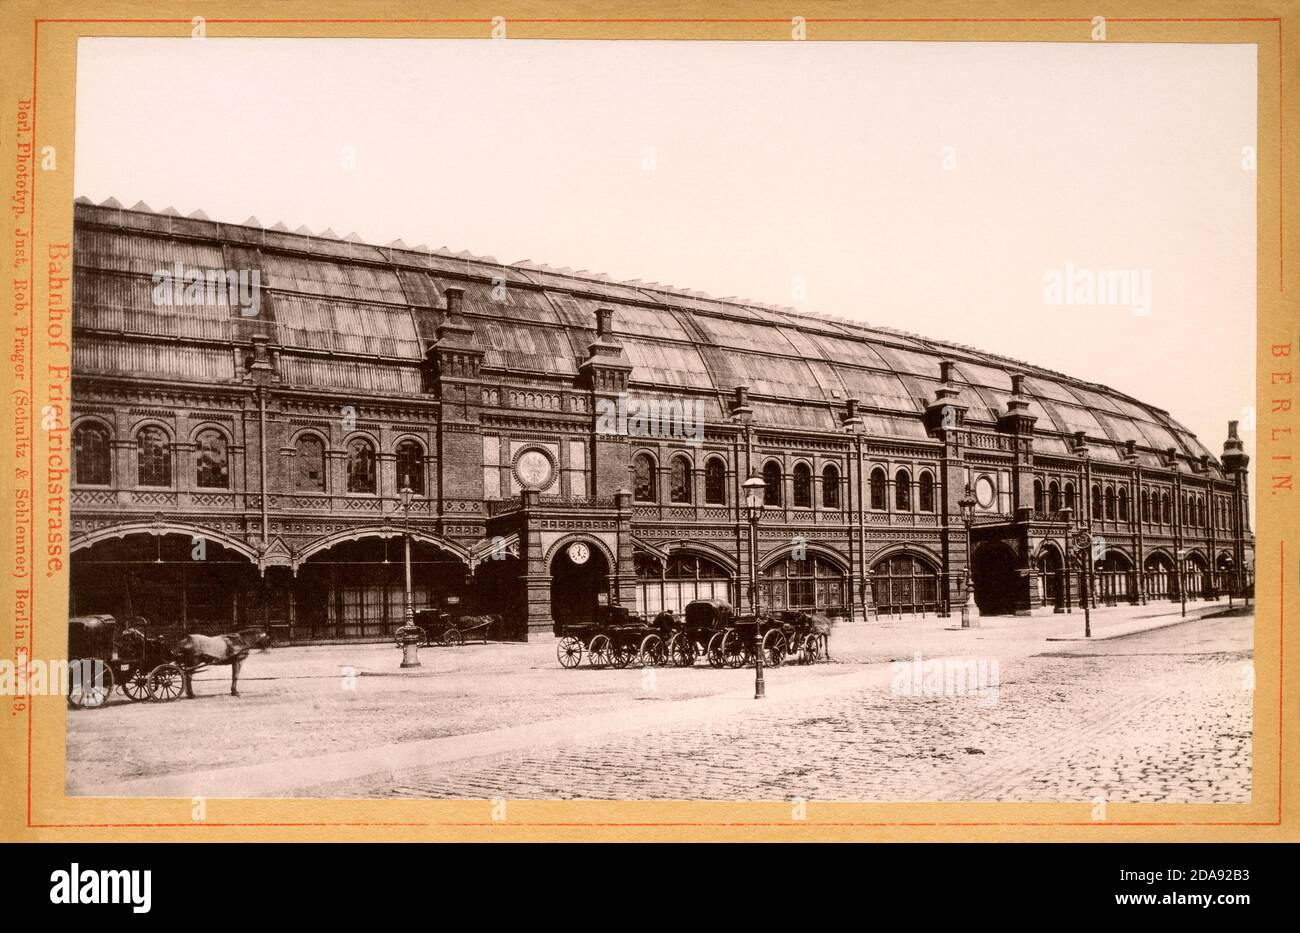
(351, 316)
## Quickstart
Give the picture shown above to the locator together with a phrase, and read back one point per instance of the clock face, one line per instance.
(984, 492)
(534, 469)
(579, 552)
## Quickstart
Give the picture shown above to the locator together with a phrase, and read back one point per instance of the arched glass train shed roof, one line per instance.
(353, 317)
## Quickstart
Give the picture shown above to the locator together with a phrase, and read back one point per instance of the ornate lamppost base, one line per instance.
(408, 639)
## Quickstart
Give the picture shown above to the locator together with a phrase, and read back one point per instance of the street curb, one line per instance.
(1160, 622)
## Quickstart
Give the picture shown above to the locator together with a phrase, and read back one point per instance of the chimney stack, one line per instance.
(1017, 383)
(454, 296)
(740, 408)
(604, 322)
(945, 371)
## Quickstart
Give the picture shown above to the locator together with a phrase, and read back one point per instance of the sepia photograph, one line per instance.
(648, 420)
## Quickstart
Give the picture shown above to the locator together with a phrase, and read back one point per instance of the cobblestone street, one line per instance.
(1149, 718)
(1161, 715)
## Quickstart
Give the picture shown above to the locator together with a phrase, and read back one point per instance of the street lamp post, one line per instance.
(1066, 515)
(969, 614)
(1182, 579)
(754, 488)
(409, 635)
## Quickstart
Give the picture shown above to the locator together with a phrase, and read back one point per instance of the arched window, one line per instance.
(361, 466)
(1054, 497)
(1110, 503)
(91, 456)
(210, 460)
(771, 483)
(1146, 506)
(681, 579)
(1123, 504)
(410, 467)
(904, 583)
(1200, 512)
(1166, 509)
(310, 456)
(811, 583)
(1096, 501)
(830, 487)
(878, 489)
(903, 491)
(1069, 496)
(679, 479)
(645, 484)
(802, 486)
(153, 457)
(926, 493)
(715, 482)
(1038, 497)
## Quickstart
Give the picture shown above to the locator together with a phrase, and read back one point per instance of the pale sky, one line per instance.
(740, 168)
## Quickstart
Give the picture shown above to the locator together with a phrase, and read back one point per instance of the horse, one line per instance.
(196, 651)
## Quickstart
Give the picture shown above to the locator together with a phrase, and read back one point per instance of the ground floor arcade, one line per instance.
(351, 587)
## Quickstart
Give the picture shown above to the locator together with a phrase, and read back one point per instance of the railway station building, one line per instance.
(262, 417)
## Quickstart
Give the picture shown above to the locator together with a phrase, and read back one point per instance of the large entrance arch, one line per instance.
(579, 582)
(997, 581)
(167, 579)
(671, 584)
(1050, 569)
(1196, 576)
(1159, 571)
(355, 589)
(1114, 576)
(904, 583)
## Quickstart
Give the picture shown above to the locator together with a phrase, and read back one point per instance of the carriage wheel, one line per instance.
(653, 651)
(681, 650)
(622, 654)
(452, 637)
(135, 683)
(812, 648)
(166, 682)
(89, 684)
(599, 653)
(775, 648)
(734, 651)
(714, 651)
(569, 652)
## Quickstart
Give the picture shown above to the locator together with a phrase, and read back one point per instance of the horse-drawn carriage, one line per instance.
(729, 639)
(615, 637)
(103, 652)
(442, 628)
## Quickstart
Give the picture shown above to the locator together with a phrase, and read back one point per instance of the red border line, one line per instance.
(603, 825)
(31, 400)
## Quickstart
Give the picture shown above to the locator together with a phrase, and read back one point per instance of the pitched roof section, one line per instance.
(346, 298)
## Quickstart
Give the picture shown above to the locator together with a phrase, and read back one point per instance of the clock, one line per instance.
(579, 552)
(534, 468)
(984, 492)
